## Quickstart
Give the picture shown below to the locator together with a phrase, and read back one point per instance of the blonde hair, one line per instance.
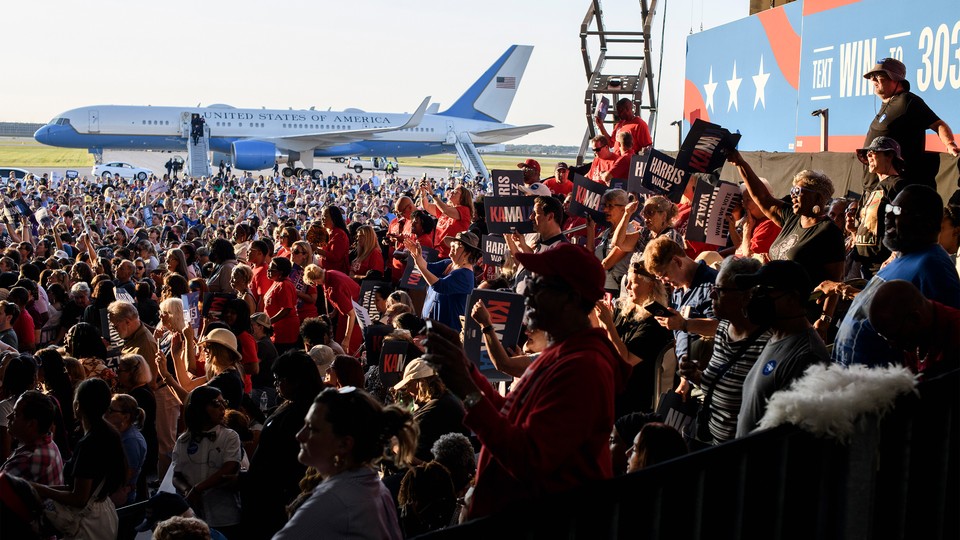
(174, 308)
(628, 308)
(663, 204)
(816, 181)
(313, 275)
(366, 242)
(659, 252)
(244, 272)
(304, 245)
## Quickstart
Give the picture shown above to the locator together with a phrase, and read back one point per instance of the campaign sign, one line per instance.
(705, 147)
(373, 337)
(494, 249)
(368, 298)
(711, 206)
(393, 359)
(191, 310)
(412, 279)
(655, 173)
(507, 183)
(509, 214)
(588, 199)
(506, 316)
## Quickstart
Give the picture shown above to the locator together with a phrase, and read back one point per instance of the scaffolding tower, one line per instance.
(632, 49)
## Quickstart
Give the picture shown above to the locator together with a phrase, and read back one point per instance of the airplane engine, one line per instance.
(259, 155)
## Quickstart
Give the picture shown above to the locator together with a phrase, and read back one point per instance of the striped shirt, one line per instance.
(725, 402)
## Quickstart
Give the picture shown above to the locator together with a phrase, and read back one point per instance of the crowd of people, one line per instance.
(197, 347)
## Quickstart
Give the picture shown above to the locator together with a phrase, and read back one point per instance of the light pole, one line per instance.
(824, 115)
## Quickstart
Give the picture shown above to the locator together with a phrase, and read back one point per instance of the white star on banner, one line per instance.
(733, 84)
(760, 82)
(710, 88)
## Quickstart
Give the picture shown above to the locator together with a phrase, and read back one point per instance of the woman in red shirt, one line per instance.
(302, 255)
(369, 257)
(453, 216)
(286, 237)
(280, 304)
(336, 254)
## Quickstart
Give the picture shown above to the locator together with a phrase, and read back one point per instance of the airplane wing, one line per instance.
(308, 141)
(494, 136)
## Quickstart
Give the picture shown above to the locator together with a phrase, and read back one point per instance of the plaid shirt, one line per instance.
(38, 462)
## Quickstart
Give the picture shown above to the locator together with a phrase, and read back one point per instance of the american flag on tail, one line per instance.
(507, 82)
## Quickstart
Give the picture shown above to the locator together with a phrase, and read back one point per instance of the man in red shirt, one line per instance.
(603, 159)
(551, 433)
(259, 257)
(399, 227)
(559, 183)
(628, 122)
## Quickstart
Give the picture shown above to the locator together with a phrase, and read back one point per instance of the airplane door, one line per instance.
(94, 121)
(451, 134)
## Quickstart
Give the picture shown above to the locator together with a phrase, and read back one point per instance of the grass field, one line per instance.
(26, 153)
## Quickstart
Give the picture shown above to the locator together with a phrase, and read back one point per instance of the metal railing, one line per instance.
(897, 477)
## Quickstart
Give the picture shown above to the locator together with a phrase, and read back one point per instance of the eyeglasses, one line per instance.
(299, 252)
(597, 149)
(718, 290)
(893, 209)
(219, 402)
(140, 269)
(797, 190)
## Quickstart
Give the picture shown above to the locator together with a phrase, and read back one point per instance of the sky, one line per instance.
(375, 55)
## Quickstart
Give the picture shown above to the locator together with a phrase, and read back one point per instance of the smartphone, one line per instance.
(657, 309)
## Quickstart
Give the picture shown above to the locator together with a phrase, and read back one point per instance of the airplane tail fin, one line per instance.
(490, 97)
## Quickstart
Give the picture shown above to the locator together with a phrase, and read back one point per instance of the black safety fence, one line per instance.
(897, 477)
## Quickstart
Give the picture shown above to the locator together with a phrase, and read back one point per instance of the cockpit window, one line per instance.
(60, 121)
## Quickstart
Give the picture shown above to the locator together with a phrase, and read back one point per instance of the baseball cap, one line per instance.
(579, 268)
(530, 163)
(162, 506)
(262, 319)
(779, 275)
(893, 68)
(535, 188)
(562, 165)
(322, 356)
(416, 369)
(880, 144)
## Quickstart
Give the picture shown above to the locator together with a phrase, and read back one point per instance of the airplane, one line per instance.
(257, 139)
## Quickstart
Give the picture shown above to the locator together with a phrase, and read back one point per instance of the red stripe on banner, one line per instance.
(850, 143)
(693, 105)
(816, 6)
(785, 43)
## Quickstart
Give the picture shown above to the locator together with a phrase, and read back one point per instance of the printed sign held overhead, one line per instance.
(494, 249)
(711, 206)
(509, 214)
(507, 183)
(506, 316)
(705, 148)
(588, 199)
(654, 173)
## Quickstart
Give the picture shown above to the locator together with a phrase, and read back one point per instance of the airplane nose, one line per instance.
(42, 135)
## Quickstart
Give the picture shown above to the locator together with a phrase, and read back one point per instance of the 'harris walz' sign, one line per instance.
(506, 317)
(654, 173)
(494, 249)
(711, 206)
(588, 199)
(412, 279)
(509, 214)
(507, 183)
(705, 147)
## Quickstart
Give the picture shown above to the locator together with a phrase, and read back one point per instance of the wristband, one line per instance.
(487, 329)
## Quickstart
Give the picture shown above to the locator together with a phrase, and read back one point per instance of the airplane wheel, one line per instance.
(287, 172)
(298, 172)
(141, 176)
(317, 174)
(106, 175)
(358, 169)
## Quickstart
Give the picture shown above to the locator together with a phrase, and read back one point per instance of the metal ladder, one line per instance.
(633, 48)
(198, 155)
(470, 157)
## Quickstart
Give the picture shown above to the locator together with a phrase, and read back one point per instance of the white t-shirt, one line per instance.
(197, 461)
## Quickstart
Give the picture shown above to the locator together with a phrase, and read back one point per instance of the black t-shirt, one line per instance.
(645, 339)
(868, 242)
(905, 118)
(98, 455)
(812, 248)
(436, 418)
(267, 354)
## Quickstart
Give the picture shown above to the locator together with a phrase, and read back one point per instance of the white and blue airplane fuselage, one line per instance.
(258, 138)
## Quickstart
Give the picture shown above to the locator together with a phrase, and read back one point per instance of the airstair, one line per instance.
(198, 155)
(470, 157)
(623, 67)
